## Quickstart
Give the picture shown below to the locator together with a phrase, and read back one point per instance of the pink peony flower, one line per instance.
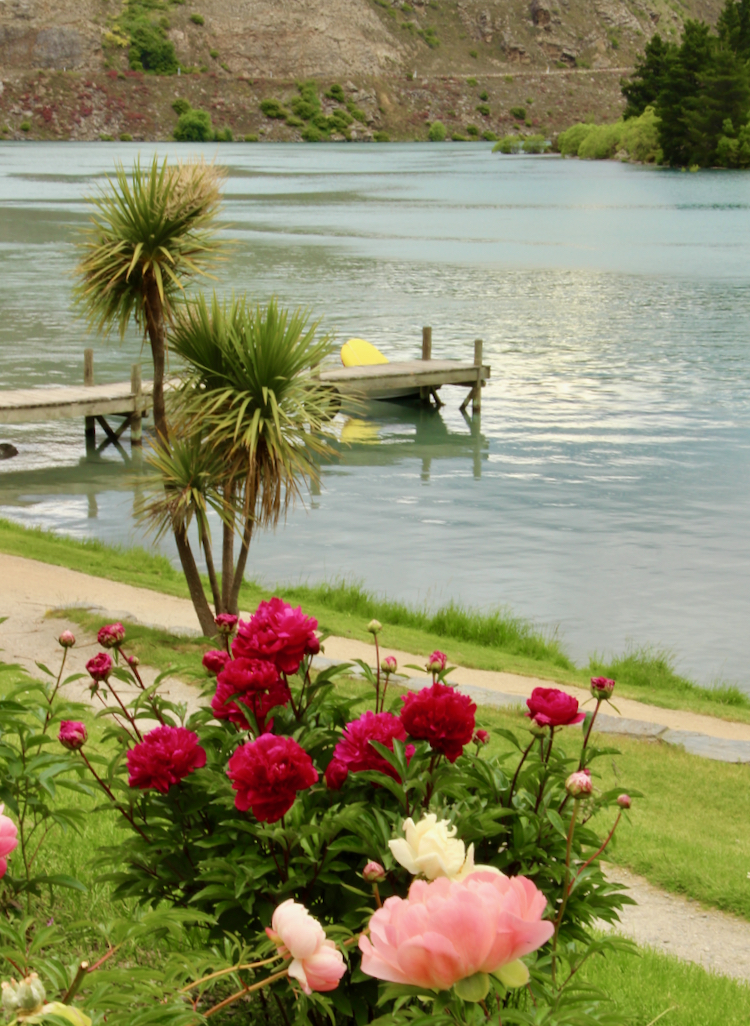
(579, 784)
(165, 757)
(67, 639)
(602, 688)
(100, 666)
(442, 716)
(447, 930)
(550, 707)
(354, 752)
(8, 839)
(225, 623)
(278, 633)
(249, 675)
(317, 964)
(267, 773)
(110, 635)
(437, 662)
(72, 735)
(227, 704)
(215, 660)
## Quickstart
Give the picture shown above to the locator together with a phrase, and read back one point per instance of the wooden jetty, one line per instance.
(132, 400)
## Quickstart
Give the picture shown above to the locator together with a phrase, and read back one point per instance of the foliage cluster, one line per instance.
(700, 91)
(149, 47)
(305, 111)
(194, 125)
(193, 852)
(522, 144)
(636, 139)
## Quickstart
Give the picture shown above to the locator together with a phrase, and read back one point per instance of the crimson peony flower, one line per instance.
(165, 757)
(442, 716)
(110, 635)
(437, 662)
(550, 707)
(226, 704)
(100, 666)
(354, 752)
(602, 688)
(278, 633)
(72, 735)
(249, 674)
(267, 773)
(215, 660)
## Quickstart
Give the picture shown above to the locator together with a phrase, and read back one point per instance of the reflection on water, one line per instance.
(606, 486)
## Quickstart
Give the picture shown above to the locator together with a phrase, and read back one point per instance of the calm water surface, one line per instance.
(605, 488)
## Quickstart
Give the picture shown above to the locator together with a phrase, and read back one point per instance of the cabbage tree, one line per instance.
(251, 419)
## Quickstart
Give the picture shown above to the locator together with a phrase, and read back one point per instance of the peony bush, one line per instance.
(388, 856)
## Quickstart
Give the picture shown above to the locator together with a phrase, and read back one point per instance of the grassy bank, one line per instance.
(495, 640)
(644, 985)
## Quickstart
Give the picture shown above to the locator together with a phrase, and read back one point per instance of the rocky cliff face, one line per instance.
(64, 63)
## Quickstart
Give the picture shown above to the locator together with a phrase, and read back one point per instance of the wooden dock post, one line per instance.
(136, 419)
(476, 401)
(88, 379)
(424, 393)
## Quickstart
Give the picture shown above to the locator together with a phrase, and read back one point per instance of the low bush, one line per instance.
(484, 95)
(381, 137)
(274, 109)
(458, 137)
(522, 144)
(471, 81)
(483, 109)
(25, 126)
(214, 54)
(437, 132)
(194, 126)
(474, 54)
(251, 138)
(637, 137)
(519, 113)
(429, 35)
(197, 19)
(224, 135)
(126, 137)
(489, 136)
(336, 92)
(569, 140)
(150, 50)
(181, 107)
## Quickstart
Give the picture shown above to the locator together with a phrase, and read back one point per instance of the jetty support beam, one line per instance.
(88, 379)
(424, 393)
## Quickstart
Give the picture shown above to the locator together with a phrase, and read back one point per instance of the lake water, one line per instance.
(605, 488)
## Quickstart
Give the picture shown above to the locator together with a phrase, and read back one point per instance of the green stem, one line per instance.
(566, 892)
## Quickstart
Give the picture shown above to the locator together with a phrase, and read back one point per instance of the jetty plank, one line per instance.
(404, 374)
(64, 402)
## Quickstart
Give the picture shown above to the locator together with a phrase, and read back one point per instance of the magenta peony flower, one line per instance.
(442, 716)
(225, 623)
(165, 757)
(100, 666)
(249, 674)
(317, 964)
(354, 752)
(437, 662)
(227, 704)
(215, 660)
(278, 633)
(549, 707)
(8, 839)
(110, 635)
(67, 639)
(448, 930)
(602, 688)
(72, 735)
(579, 784)
(267, 773)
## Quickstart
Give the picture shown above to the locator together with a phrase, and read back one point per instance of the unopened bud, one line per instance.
(72, 735)
(133, 661)
(110, 635)
(624, 801)
(389, 665)
(67, 639)
(602, 688)
(225, 623)
(374, 627)
(373, 872)
(437, 662)
(481, 737)
(579, 784)
(24, 998)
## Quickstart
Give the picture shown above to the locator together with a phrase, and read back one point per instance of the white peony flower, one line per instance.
(431, 849)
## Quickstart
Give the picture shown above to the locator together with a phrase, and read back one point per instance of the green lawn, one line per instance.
(489, 641)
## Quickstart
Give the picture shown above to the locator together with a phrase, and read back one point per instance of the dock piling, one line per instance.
(425, 393)
(136, 387)
(88, 379)
(476, 402)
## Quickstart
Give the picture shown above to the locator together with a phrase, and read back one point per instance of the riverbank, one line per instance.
(495, 642)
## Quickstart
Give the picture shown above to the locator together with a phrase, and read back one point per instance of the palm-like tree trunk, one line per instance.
(227, 550)
(157, 337)
(194, 583)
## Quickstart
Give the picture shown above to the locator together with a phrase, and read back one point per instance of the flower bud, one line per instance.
(67, 639)
(374, 627)
(481, 737)
(578, 784)
(111, 635)
(373, 872)
(624, 801)
(73, 735)
(225, 623)
(389, 665)
(24, 998)
(100, 667)
(437, 662)
(602, 688)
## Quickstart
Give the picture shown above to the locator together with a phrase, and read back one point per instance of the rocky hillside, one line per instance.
(67, 65)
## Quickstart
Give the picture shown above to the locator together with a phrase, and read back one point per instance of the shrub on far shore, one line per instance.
(437, 132)
(194, 126)
(638, 138)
